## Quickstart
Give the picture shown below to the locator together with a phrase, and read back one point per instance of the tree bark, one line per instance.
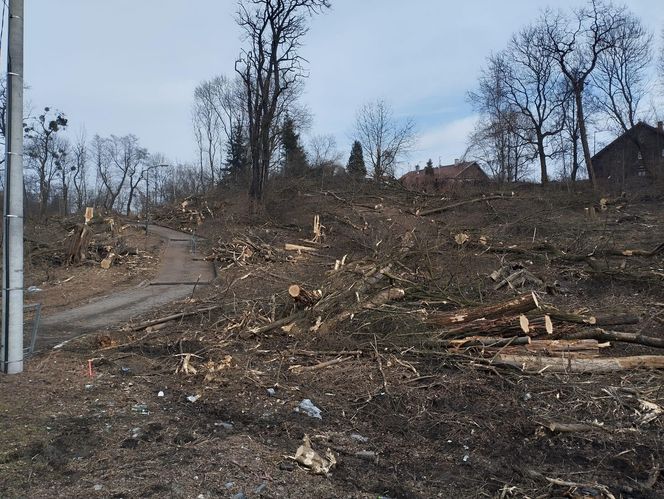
(578, 95)
(535, 364)
(602, 335)
(515, 306)
(542, 157)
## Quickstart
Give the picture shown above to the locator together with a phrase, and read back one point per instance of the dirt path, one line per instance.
(177, 276)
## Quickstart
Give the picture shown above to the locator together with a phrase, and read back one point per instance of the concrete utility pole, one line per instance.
(11, 353)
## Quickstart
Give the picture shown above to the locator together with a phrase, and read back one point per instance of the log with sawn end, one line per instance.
(514, 306)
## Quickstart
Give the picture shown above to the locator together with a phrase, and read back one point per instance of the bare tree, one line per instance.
(498, 142)
(64, 168)
(79, 157)
(576, 45)
(42, 150)
(208, 127)
(533, 87)
(119, 162)
(323, 151)
(503, 138)
(269, 67)
(385, 139)
(660, 62)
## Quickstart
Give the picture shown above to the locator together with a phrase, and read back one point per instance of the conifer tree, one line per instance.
(356, 166)
(295, 159)
(237, 152)
(428, 170)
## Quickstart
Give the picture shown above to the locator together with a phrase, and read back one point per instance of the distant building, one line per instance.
(443, 177)
(639, 152)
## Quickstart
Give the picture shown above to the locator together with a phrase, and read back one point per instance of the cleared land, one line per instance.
(396, 334)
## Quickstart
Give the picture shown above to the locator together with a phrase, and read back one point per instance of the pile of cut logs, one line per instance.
(525, 334)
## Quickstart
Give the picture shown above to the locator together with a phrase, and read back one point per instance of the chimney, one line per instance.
(660, 126)
(456, 161)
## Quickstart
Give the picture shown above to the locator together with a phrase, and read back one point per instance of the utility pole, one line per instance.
(11, 353)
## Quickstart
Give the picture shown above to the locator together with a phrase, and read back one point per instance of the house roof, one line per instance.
(447, 172)
(640, 124)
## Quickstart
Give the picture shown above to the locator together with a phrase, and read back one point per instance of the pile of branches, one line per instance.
(243, 251)
(185, 216)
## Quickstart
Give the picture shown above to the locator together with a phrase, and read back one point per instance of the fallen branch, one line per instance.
(173, 317)
(274, 325)
(380, 298)
(299, 369)
(297, 247)
(441, 209)
(571, 427)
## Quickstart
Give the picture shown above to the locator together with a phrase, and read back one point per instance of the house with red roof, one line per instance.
(443, 177)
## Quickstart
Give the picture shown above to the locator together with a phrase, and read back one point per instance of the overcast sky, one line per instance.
(130, 66)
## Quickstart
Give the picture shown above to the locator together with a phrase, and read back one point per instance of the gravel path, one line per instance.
(178, 273)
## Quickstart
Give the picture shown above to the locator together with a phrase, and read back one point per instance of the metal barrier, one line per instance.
(35, 327)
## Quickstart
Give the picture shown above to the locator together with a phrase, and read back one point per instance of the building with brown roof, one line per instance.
(639, 152)
(443, 177)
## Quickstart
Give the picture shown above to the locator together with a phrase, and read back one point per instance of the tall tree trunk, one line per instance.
(578, 96)
(542, 157)
(575, 156)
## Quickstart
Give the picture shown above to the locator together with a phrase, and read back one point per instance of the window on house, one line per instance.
(639, 155)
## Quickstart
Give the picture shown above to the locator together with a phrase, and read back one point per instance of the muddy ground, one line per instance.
(403, 418)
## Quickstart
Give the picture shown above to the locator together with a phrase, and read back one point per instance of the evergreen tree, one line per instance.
(356, 166)
(428, 170)
(295, 159)
(237, 152)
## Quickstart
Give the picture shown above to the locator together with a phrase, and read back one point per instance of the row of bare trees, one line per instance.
(249, 127)
(540, 95)
(114, 174)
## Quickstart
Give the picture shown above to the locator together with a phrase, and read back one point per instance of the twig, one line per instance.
(322, 365)
(380, 365)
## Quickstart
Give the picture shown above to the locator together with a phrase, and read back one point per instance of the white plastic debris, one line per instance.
(193, 398)
(160, 394)
(307, 407)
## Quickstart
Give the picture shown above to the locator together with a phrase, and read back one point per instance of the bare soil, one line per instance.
(66, 286)
(402, 417)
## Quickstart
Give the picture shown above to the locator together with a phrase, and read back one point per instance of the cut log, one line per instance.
(558, 348)
(302, 296)
(515, 306)
(503, 327)
(107, 262)
(595, 320)
(534, 364)
(602, 335)
(485, 342)
(571, 427)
